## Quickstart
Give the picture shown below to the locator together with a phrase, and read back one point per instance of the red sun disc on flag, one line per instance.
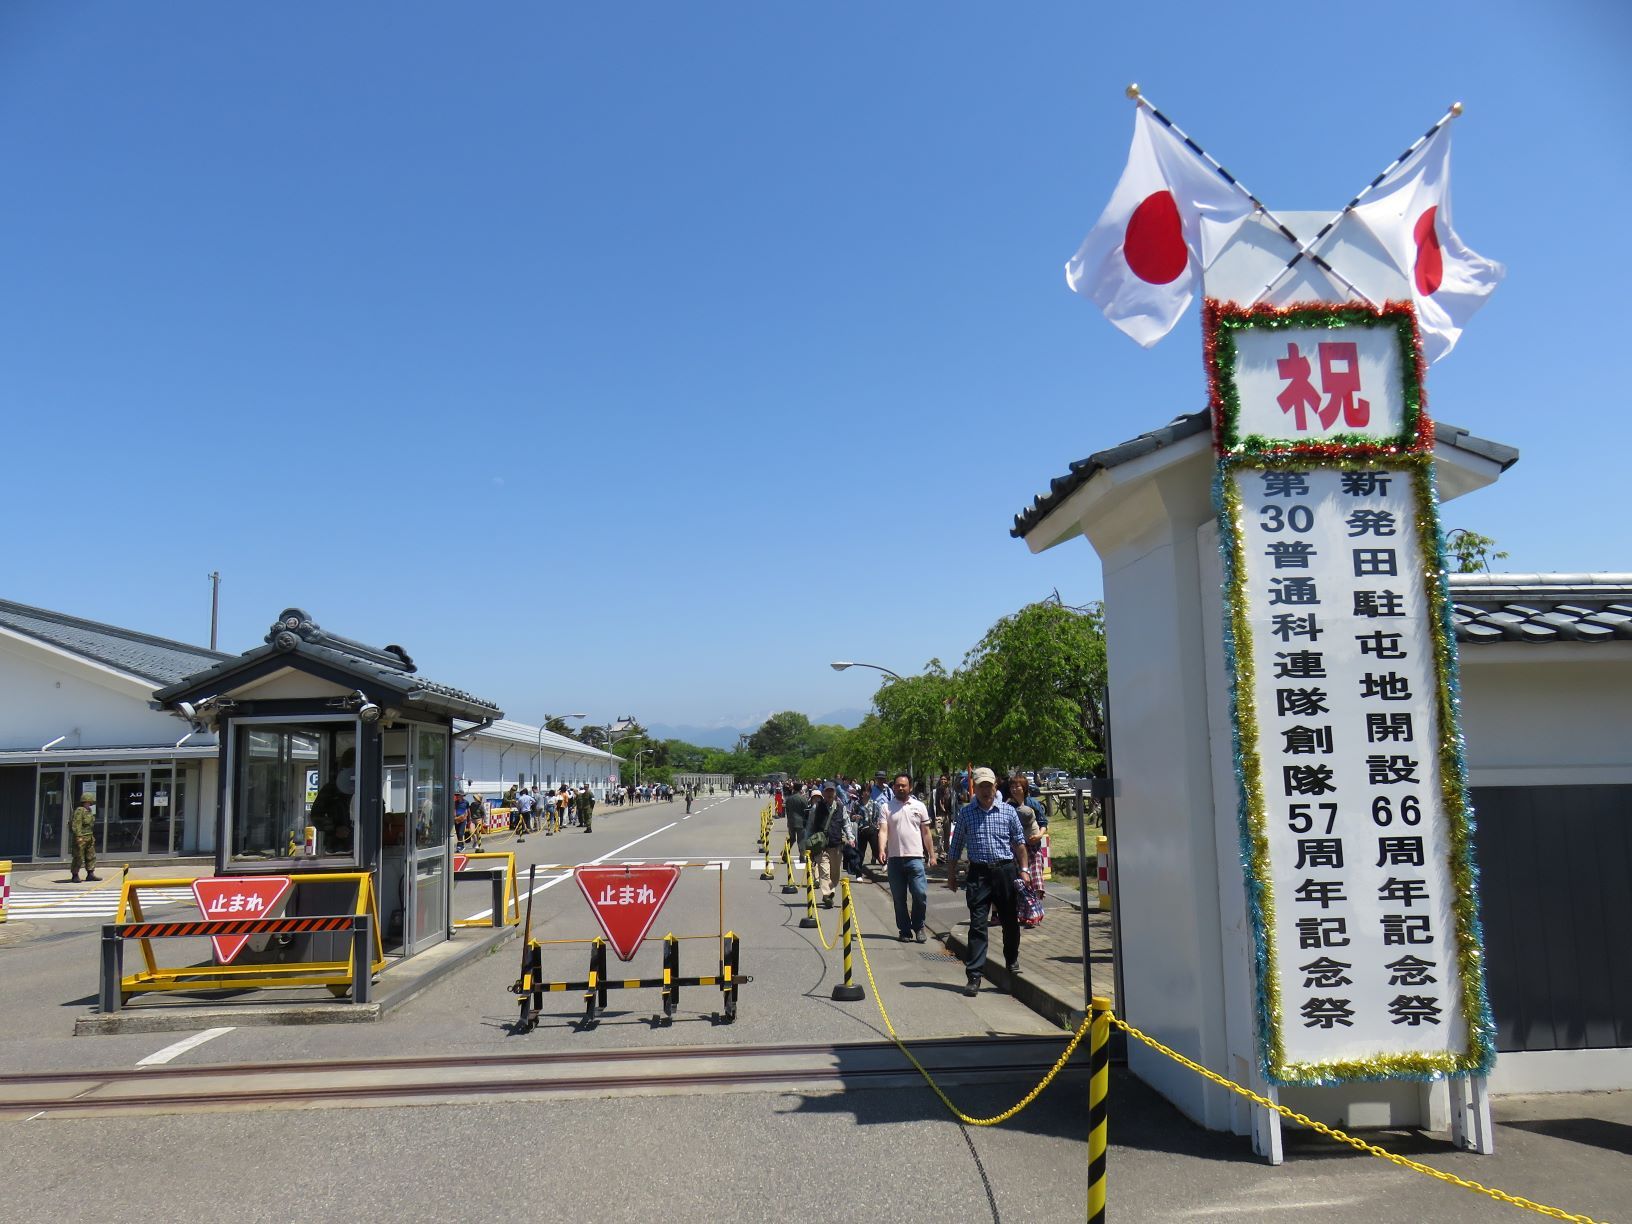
(1153, 243)
(626, 901)
(1429, 270)
(223, 897)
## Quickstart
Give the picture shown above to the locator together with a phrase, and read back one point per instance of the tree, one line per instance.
(1030, 693)
(913, 715)
(783, 734)
(558, 724)
(1473, 552)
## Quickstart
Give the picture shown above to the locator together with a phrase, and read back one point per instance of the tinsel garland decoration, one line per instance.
(1220, 321)
(1254, 843)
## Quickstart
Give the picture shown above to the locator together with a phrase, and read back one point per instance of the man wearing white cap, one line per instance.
(991, 832)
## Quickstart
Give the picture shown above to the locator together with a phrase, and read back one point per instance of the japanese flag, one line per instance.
(1168, 218)
(1410, 214)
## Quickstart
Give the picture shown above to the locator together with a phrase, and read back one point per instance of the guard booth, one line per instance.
(334, 757)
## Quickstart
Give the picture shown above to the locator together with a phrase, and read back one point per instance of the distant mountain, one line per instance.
(847, 717)
(703, 737)
(725, 735)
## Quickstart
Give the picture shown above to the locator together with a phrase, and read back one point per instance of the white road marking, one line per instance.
(177, 1049)
(31, 1117)
(567, 875)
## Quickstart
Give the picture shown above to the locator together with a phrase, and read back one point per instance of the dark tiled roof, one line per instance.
(1179, 428)
(155, 659)
(1082, 471)
(1538, 608)
(388, 668)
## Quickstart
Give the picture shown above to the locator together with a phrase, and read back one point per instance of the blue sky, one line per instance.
(646, 357)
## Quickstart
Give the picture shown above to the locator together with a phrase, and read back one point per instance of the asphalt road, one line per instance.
(745, 1155)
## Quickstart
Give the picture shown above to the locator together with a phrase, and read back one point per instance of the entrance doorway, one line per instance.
(139, 810)
(414, 882)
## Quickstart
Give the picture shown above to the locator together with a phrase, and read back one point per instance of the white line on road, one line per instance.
(177, 1049)
(31, 1117)
(488, 913)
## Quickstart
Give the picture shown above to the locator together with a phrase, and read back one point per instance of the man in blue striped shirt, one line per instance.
(991, 832)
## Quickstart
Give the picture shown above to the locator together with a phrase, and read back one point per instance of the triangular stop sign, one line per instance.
(221, 897)
(626, 901)
(459, 861)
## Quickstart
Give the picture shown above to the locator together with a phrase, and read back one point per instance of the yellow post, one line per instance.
(809, 920)
(5, 886)
(1102, 868)
(847, 991)
(787, 866)
(1099, 1083)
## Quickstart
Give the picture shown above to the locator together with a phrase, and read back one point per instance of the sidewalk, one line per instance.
(1050, 982)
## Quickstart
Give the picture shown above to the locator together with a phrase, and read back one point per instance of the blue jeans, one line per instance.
(907, 875)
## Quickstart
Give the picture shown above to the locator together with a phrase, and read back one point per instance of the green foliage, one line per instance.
(1030, 693)
(1471, 551)
(787, 733)
(1029, 696)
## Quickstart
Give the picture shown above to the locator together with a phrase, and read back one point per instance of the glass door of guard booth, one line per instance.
(414, 877)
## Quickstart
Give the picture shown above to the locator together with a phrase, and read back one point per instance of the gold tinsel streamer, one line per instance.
(1255, 843)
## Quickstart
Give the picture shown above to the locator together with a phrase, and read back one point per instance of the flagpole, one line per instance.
(1451, 112)
(1139, 99)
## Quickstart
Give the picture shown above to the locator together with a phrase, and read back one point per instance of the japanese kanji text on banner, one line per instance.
(1355, 829)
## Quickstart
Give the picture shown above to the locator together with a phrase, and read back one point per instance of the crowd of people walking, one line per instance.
(839, 823)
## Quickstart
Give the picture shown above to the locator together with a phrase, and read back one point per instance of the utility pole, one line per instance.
(215, 605)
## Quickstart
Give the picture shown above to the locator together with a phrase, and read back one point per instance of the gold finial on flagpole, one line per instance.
(1456, 108)
(1133, 91)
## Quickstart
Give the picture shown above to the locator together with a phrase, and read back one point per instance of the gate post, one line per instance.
(113, 970)
(362, 958)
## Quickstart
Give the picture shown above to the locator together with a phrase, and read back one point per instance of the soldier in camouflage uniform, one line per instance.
(82, 835)
(586, 807)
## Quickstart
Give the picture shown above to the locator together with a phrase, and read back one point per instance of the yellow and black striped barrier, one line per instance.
(788, 886)
(809, 920)
(1099, 1086)
(848, 991)
(532, 986)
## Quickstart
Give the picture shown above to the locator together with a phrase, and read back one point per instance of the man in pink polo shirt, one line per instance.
(908, 848)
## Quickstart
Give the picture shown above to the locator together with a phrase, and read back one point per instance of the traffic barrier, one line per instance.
(847, 991)
(5, 886)
(1102, 864)
(1099, 1087)
(506, 910)
(352, 975)
(809, 920)
(531, 986)
(788, 886)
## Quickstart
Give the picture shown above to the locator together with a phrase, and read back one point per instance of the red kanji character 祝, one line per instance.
(1299, 397)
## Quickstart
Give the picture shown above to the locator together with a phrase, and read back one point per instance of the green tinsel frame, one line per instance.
(1481, 1047)
(1221, 321)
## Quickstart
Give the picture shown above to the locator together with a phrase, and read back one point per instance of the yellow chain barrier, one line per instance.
(889, 1027)
(810, 900)
(1331, 1132)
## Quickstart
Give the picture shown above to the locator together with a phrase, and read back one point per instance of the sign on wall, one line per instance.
(1356, 832)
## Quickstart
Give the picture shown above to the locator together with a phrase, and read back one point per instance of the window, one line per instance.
(289, 776)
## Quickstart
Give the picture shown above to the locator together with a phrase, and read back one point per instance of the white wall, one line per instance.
(45, 693)
(491, 766)
(1547, 715)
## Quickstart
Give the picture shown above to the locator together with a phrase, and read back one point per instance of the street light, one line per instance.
(539, 750)
(638, 755)
(846, 663)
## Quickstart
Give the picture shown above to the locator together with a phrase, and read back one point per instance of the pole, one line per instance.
(848, 991)
(809, 920)
(1099, 1084)
(215, 605)
(1082, 899)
